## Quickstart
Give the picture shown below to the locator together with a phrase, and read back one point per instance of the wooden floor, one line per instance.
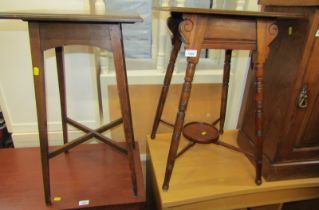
(214, 177)
(93, 172)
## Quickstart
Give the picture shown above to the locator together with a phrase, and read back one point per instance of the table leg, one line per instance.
(179, 122)
(224, 97)
(259, 119)
(167, 81)
(59, 52)
(192, 30)
(122, 86)
(266, 33)
(39, 88)
(98, 83)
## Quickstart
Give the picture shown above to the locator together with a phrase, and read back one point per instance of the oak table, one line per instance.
(55, 30)
(216, 29)
(213, 177)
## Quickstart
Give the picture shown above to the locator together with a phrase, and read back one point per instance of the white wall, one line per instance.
(16, 82)
(14, 5)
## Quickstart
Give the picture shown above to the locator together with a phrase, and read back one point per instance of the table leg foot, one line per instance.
(258, 181)
(165, 188)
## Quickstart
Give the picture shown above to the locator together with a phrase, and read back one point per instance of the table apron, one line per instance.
(55, 34)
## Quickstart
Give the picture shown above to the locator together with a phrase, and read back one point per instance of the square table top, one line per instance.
(73, 16)
(233, 13)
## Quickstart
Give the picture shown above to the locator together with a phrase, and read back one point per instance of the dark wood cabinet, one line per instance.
(291, 97)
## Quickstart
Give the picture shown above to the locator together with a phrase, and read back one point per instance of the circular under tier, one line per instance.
(199, 132)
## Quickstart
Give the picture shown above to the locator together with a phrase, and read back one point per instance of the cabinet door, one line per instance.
(310, 136)
(302, 140)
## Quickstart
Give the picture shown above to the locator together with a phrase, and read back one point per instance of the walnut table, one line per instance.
(216, 29)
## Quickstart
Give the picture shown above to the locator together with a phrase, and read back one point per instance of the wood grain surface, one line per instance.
(72, 16)
(210, 175)
(290, 2)
(96, 173)
(187, 10)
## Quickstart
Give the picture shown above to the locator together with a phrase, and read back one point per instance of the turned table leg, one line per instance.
(186, 90)
(122, 86)
(224, 96)
(192, 30)
(176, 42)
(165, 88)
(39, 88)
(259, 119)
(266, 33)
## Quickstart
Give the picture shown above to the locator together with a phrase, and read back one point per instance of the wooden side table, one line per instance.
(55, 30)
(216, 29)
